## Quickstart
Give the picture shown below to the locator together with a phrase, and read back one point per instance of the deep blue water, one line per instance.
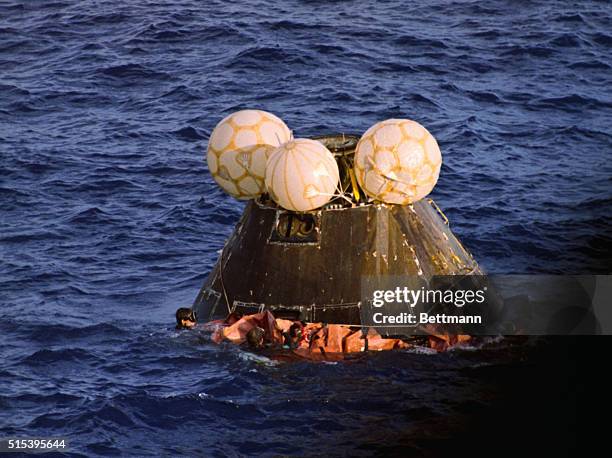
(109, 220)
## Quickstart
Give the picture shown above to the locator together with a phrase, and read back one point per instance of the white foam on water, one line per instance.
(258, 359)
(421, 351)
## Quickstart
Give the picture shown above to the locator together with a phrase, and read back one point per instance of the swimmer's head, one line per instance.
(295, 331)
(294, 335)
(255, 337)
(185, 318)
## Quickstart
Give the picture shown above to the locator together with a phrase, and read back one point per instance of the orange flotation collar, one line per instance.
(318, 341)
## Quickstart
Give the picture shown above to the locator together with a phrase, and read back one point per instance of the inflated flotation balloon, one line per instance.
(239, 148)
(397, 161)
(302, 175)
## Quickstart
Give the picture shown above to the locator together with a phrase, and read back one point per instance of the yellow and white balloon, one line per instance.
(239, 148)
(302, 175)
(397, 161)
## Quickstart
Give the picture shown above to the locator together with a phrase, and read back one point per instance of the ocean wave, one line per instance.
(590, 64)
(189, 134)
(54, 333)
(418, 42)
(61, 356)
(256, 57)
(133, 71)
(570, 103)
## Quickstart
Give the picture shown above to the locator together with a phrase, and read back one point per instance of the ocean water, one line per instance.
(109, 219)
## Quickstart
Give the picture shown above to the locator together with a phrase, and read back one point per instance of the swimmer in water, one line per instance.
(293, 337)
(255, 338)
(185, 318)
